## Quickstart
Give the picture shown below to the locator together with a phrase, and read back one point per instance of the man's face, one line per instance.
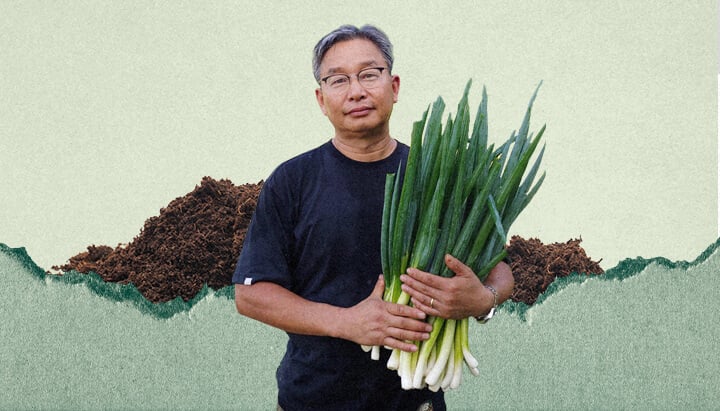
(357, 111)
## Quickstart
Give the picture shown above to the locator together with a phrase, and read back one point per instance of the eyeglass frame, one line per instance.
(349, 76)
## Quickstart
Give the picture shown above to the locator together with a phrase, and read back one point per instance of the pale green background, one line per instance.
(109, 110)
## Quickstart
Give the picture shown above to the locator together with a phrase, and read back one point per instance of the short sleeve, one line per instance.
(266, 248)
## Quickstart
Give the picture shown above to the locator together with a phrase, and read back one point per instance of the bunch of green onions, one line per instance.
(458, 196)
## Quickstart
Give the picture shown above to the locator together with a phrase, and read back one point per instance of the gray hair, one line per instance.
(350, 32)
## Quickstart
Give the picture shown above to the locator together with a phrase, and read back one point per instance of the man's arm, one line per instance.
(461, 296)
(370, 322)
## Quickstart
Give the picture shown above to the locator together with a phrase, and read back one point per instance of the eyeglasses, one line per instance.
(368, 78)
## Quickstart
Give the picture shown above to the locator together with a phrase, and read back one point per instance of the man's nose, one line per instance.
(356, 89)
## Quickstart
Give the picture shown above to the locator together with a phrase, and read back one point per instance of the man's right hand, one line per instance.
(377, 322)
(371, 322)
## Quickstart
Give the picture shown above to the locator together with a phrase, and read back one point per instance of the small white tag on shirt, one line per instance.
(248, 281)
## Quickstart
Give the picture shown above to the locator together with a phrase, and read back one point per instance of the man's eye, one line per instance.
(337, 81)
(369, 76)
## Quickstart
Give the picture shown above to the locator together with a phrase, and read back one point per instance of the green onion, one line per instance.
(458, 196)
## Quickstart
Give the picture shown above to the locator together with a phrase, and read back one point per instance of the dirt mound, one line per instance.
(197, 239)
(536, 265)
(194, 241)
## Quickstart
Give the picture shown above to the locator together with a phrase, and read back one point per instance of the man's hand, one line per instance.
(458, 297)
(377, 322)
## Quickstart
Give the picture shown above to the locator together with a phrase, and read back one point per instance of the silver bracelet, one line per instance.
(488, 316)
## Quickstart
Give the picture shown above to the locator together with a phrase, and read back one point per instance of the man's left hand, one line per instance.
(458, 297)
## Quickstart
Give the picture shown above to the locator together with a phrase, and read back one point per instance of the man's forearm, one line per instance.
(501, 279)
(274, 305)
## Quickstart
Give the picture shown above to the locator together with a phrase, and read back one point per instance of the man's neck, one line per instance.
(365, 151)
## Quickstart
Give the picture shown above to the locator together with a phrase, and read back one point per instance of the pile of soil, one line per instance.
(197, 239)
(194, 241)
(536, 265)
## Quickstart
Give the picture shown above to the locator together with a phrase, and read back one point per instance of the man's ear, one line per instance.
(321, 100)
(395, 87)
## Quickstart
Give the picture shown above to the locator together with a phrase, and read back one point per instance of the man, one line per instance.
(310, 263)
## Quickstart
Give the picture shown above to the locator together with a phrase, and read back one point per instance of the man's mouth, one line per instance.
(359, 111)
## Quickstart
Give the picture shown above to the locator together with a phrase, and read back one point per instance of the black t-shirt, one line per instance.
(316, 232)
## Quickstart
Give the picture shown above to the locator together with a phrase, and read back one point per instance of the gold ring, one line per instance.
(432, 300)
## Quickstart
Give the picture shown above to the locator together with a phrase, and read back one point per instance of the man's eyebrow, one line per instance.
(368, 63)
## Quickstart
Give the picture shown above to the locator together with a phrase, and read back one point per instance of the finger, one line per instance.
(405, 311)
(418, 286)
(422, 277)
(402, 345)
(407, 335)
(379, 289)
(457, 266)
(430, 307)
(407, 329)
(420, 294)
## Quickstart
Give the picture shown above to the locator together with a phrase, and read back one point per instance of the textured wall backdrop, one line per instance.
(109, 110)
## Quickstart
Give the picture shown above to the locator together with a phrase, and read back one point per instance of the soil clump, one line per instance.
(196, 240)
(536, 265)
